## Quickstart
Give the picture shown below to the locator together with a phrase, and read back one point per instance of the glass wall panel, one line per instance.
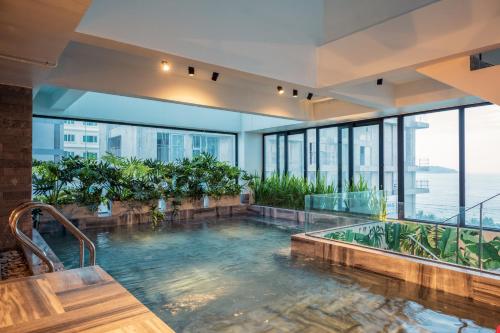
(328, 154)
(482, 162)
(270, 154)
(390, 126)
(296, 154)
(431, 166)
(54, 138)
(366, 157)
(311, 155)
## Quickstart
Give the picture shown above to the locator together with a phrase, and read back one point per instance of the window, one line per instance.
(296, 154)
(69, 122)
(177, 147)
(197, 144)
(50, 141)
(366, 157)
(162, 147)
(270, 155)
(328, 154)
(69, 153)
(482, 164)
(206, 144)
(90, 155)
(431, 166)
(362, 155)
(90, 138)
(114, 145)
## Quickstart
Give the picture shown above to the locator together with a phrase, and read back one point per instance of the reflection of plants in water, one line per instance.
(425, 240)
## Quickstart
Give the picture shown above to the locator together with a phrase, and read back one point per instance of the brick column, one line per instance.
(15, 156)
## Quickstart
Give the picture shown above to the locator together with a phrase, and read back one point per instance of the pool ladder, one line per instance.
(23, 208)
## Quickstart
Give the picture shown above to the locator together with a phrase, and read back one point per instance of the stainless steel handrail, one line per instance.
(23, 208)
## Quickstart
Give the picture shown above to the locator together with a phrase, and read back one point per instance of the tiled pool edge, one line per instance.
(478, 286)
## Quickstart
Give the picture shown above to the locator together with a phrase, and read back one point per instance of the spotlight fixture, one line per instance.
(309, 96)
(165, 66)
(295, 93)
(380, 82)
(191, 71)
(215, 76)
(280, 90)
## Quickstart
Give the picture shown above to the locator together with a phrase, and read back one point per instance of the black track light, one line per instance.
(309, 96)
(215, 76)
(380, 82)
(191, 71)
(280, 90)
(295, 93)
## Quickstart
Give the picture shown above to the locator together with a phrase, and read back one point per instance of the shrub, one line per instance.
(287, 191)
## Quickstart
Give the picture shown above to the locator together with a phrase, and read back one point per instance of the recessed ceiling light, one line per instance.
(165, 66)
(280, 90)
(191, 71)
(295, 93)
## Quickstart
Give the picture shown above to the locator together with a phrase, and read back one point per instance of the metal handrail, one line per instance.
(470, 208)
(422, 246)
(23, 208)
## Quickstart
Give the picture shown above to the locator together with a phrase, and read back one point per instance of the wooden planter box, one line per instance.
(71, 212)
(224, 201)
(124, 207)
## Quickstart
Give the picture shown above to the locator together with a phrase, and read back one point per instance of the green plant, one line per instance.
(286, 191)
(51, 180)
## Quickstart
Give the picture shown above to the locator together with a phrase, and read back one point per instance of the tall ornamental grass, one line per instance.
(287, 191)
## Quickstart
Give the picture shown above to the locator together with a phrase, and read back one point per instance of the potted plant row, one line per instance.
(79, 186)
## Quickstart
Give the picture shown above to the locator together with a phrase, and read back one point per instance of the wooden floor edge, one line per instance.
(479, 286)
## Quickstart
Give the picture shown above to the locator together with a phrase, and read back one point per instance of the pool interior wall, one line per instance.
(238, 275)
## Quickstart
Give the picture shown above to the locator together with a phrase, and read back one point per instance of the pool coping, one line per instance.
(478, 286)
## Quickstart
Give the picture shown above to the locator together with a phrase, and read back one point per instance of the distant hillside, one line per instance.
(436, 169)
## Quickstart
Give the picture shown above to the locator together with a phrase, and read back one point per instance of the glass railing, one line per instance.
(469, 238)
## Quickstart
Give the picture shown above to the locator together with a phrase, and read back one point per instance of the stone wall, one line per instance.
(15, 157)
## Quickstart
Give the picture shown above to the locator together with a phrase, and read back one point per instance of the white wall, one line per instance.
(273, 38)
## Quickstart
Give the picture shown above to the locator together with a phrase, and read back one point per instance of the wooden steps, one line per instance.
(78, 300)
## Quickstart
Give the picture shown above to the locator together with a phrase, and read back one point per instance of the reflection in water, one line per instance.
(237, 275)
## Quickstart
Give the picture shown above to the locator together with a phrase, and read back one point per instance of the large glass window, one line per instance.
(296, 154)
(482, 163)
(366, 157)
(270, 154)
(328, 154)
(53, 138)
(431, 164)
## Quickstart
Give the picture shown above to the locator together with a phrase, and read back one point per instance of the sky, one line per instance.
(439, 142)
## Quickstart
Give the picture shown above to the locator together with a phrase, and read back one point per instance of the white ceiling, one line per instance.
(344, 17)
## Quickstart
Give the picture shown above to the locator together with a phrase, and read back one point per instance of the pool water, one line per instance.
(237, 275)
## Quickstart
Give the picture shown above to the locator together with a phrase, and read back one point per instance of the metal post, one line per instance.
(480, 255)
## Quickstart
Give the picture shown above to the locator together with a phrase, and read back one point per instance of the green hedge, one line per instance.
(89, 182)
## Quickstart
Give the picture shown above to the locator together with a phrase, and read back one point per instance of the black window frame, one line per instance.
(400, 153)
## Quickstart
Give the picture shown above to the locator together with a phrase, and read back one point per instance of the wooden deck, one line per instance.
(78, 300)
